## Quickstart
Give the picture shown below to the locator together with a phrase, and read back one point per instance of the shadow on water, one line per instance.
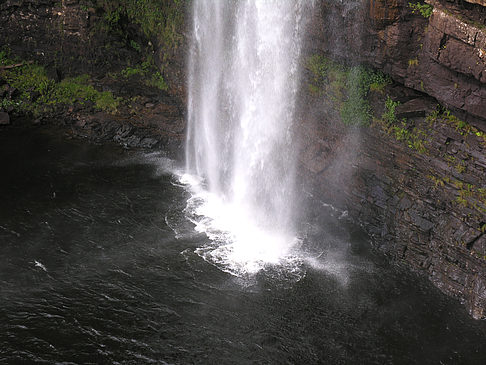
(98, 264)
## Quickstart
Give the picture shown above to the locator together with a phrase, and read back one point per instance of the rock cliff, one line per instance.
(417, 186)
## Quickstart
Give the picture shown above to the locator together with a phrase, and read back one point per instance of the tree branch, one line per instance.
(15, 65)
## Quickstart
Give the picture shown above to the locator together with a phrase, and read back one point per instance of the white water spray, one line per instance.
(240, 153)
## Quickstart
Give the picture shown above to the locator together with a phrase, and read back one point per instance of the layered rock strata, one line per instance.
(424, 206)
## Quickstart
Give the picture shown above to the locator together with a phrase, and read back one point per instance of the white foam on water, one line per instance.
(40, 265)
(238, 244)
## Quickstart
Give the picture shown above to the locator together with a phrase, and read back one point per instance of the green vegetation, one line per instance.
(159, 20)
(158, 81)
(437, 181)
(135, 46)
(441, 115)
(471, 196)
(149, 74)
(389, 116)
(347, 88)
(77, 89)
(355, 109)
(132, 71)
(458, 165)
(413, 62)
(37, 93)
(468, 195)
(415, 138)
(424, 9)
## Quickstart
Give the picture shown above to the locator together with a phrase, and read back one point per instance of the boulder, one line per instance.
(4, 118)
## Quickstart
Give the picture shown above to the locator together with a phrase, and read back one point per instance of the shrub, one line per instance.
(39, 94)
(347, 88)
(132, 71)
(424, 9)
(413, 62)
(106, 101)
(355, 110)
(158, 19)
(157, 81)
(442, 115)
(389, 116)
(148, 71)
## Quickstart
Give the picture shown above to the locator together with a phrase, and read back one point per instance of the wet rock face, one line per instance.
(384, 12)
(53, 33)
(480, 2)
(452, 63)
(419, 206)
(443, 55)
(410, 202)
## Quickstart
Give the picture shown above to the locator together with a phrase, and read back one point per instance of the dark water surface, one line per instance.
(97, 265)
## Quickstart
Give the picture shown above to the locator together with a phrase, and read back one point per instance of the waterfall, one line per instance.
(243, 77)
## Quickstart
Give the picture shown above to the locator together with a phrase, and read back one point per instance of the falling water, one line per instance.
(240, 153)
